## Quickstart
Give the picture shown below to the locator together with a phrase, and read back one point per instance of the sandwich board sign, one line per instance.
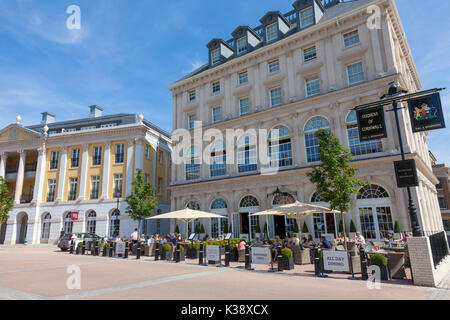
(120, 248)
(336, 261)
(261, 255)
(213, 253)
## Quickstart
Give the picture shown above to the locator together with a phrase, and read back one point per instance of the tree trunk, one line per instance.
(343, 230)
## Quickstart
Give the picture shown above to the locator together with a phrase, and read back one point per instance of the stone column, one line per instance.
(297, 155)
(20, 176)
(3, 159)
(130, 157)
(166, 177)
(106, 170)
(40, 174)
(154, 165)
(139, 157)
(84, 168)
(62, 175)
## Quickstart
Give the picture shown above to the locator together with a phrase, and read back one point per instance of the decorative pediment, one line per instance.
(15, 132)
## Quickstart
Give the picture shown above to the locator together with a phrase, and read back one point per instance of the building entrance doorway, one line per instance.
(245, 225)
(22, 229)
(280, 226)
(3, 233)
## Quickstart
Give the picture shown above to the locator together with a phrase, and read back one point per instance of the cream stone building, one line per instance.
(85, 166)
(298, 72)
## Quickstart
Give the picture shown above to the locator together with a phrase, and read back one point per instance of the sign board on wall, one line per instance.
(75, 215)
(212, 253)
(406, 173)
(336, 261)
(371, 123)
(426, 113)
(261, 255)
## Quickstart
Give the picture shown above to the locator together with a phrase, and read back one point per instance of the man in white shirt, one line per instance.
(134, 236)
(359, 239)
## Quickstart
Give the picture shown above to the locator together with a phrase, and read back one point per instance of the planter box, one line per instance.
(384, 273)
(182, 256)
(234, 256)
(166, 255)
(287, 263)
(78, 250)
(192, 254)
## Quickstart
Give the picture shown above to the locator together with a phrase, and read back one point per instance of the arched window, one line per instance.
(280, 147)
(195, 224)
(316, 197)
(219, 204)
(46, 223)
(68, 223)
(311, 141)
(114, 223)
(192, 163)
(246, 154)
(357, 147)
(91, 222)
(193, 205)
(218, 165)
(248, 201)
(372, 191)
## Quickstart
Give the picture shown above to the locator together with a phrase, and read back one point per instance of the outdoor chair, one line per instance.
(352, 248)
(301, 257)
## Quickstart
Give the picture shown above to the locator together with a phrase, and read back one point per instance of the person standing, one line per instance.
(134, 236)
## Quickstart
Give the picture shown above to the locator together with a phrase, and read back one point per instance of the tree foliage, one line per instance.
(6, 202)
(142, 202)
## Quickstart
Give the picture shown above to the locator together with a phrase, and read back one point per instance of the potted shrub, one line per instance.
(166, 253)
(352, 233)
(233, 252)
(397, 230)
(192, 251)
(182, 255)
(287, 259)
(79, 247)
(381, 261)
(106, 249)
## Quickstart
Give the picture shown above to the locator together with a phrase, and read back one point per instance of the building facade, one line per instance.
(442, 173)
(83, 166)
(299, 72)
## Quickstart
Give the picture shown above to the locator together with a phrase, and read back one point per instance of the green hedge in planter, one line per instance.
(80, 244)
(107, 246)
(166, 247)
(378, 260)
(287, 253)
(181, 248)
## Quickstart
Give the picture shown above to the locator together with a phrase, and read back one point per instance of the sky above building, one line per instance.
(127, 53)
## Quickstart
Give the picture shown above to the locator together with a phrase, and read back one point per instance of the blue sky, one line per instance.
(128, 52)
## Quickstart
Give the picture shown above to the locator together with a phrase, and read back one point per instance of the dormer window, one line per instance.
(242, 46)
(306, 17)
(272, 32)
(215, 56)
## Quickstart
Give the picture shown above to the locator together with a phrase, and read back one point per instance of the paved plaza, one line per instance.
(41, 273)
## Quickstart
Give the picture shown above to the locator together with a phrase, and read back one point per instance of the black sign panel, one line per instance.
(426, 113)
(371, 123)
(406, 173)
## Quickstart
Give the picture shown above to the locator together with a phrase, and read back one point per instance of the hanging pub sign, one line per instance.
(75, 216)
(406, 173)
(371, 123)
(426, 113)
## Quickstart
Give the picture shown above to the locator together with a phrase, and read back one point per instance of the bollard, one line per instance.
(248, 264)
(157, 251)
(362, 254)
(279, 259)
(125, 256)
(227, 254)
(83, 249)
(71, 247)
(316, 262)
(177, 253)
(93, 245)
(351, 267)
(200, 254)
(138, 251)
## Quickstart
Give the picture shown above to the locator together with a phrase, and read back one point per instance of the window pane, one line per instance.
(243, 106)
(351, 38)
(275, 97)
(355, 73)
(312, 87)
(242, 45)
(243, 77)
(274, 66)
(306, 17)
(272, 32)
(309, 54)
(215, 56)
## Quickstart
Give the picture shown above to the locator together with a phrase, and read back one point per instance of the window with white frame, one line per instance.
(118, 182)
(357, 147)
(216, 114)
(312, 87)
(51, 190)
(351, 38)
(46, 223)
(68, 222)
(309, 54)
(160, 157)
(75, 160)
(242, 45)
(218, 163)
(73, 184)
(120, 153)
(114, 223)
(95, 185)
(191, 121)
(355, 73)
(54, 160)
(97, 156)
(91, 222)
(243, 77)
(244, 107)
(275, 97)
(306, 17)
(192, 164)
(88, 128)
(280, 147)
(108, 125)
(311, 140)
(215, 87)
(146, 178)
(191, 95)
(160, 180)
(442, 203)
(246, 154)
(274, 66)
(215, 56)
(272, 32)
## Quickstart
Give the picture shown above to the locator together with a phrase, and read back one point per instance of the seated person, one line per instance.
(294, 240)
(303, 240)
(257, 242)
(277, 242)
(241, 245)
(311, 242)
(359, 239)
(286, 243)
(324, 243)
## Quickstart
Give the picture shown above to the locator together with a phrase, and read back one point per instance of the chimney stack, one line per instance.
(47, 118)
(96, 111)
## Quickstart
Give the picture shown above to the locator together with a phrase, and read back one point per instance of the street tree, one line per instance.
(6, 202)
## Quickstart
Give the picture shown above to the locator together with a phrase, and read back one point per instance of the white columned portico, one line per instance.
(130, 152)
(20, 176)
(38, 191)
(84, 168)
(106, 170)
(62, 175)
(3, 159)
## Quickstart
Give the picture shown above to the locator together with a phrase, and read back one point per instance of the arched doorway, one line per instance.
(218, 206)
(283, 225)
(22, 227)
(324, 223)
(91, 222)
(114, 223)
(68, 223)
(46, 224)
(245, 224)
